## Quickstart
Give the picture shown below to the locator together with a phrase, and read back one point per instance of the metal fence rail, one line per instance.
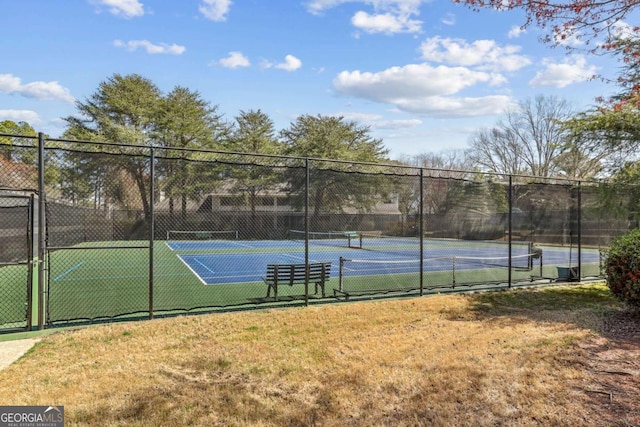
(137, 231)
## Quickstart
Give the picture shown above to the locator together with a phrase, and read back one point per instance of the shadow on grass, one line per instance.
(589, 306)
(219, 396)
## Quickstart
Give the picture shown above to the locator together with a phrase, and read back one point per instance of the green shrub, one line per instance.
(622, 268)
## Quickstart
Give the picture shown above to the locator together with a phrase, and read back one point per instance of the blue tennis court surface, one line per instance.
(236, 261)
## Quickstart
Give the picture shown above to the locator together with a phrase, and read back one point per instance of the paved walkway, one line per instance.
(10, 351)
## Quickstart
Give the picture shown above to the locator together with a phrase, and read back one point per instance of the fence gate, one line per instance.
(16, 260)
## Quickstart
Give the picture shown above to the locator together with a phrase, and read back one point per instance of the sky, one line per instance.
(423, 75)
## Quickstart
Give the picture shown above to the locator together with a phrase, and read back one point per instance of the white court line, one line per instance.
(243, 245)
(192, 270)
(68, 271)
(217, 276)
(205, 266)
(294, 256)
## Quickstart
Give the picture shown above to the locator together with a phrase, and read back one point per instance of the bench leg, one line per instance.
(275, 291)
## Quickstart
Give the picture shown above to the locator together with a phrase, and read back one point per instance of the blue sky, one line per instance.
(424, 75)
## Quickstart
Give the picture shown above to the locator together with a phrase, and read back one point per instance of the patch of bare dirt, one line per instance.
(612, 362)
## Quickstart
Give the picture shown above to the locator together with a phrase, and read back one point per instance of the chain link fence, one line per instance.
(137, 231)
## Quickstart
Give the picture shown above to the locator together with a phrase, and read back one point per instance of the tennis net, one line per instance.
(410, 247)
(454, 263)
(349, 239)
(406, 246)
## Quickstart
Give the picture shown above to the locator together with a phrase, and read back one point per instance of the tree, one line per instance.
(528, 140)
(585, 20)
(623, 197)
(331, 137)
(19, 165)
(21, 148)
(82, 179)
(439, 169)
(254, 132)
(185, 120)
(123, 109)
(19, 129)
(582, 160)
(336, 185)
(614, 124)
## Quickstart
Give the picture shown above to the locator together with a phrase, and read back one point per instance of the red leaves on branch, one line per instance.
(583, 18)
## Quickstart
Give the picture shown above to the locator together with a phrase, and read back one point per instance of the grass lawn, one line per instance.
(548, 356)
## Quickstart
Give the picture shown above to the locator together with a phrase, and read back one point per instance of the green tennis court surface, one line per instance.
(107, 279)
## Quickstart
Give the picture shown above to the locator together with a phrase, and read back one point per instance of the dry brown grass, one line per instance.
(518, 359)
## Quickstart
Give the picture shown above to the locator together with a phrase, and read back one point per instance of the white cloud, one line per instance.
(150, 48)
(377, 121)
(291, 63)
(568, 37)
(516, 31)
(410, 80)
(422, 89)
(449, 19)
(401, 6)
(623, 30)
(125, 8)
(235, 60)
(385, 23)
(318, 6)
(10, 84)
(28, 116)
(454, 107)
(215, 10)
(389, 16)
(396, 124)
(483, 54)
(574, 69)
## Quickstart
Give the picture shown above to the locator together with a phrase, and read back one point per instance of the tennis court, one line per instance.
(201, 227)
(214, 264)
(110, 279)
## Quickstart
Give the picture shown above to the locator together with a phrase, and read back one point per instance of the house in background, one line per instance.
(268, 213)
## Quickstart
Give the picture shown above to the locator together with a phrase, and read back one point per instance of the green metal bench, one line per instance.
(296, 274)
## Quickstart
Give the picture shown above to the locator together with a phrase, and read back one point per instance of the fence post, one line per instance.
(579, 213)
(510, 228)
(151, 228)
(306, 230)
(41, 232)
(421, 230)
(340, 280)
